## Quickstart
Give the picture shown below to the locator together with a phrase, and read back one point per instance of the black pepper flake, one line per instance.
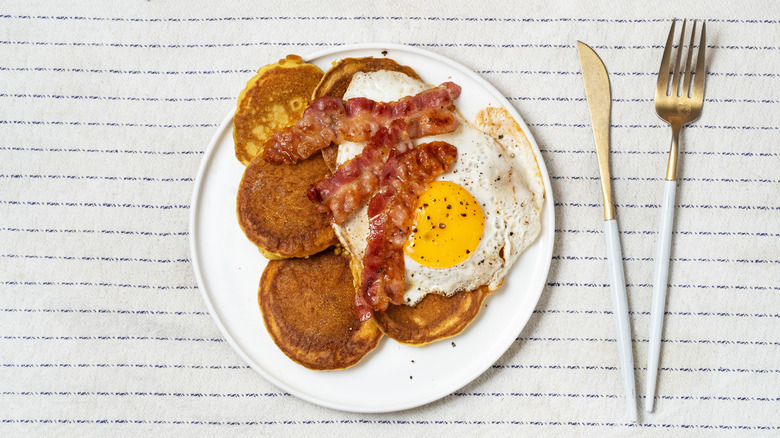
(384, 52)
(412, 360)
(449, 207)
(410, 377)
(500, 137)
(461, 202)
(425, 204)
(428, 217)
(453, 344)
(414, 229)
(468, 252)
(463, 214)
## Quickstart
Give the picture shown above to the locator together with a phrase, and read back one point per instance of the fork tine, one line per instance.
(688, 73)
(701, 70)
(663, 73)
(677, 65)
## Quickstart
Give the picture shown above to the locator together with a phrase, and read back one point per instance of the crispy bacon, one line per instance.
(355, 181)
(329, 119)
(404, 177)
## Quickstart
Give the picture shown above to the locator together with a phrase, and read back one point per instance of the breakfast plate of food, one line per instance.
(372, 227)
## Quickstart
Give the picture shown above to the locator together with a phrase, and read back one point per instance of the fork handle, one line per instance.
(660, 279)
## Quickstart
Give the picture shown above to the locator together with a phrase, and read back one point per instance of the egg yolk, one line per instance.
(446, 227)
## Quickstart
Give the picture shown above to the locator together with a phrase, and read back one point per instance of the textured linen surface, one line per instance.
(106, 109)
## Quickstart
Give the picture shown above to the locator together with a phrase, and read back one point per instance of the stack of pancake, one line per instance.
(307, 291)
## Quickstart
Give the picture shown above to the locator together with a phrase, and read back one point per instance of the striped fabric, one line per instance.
(105, 113)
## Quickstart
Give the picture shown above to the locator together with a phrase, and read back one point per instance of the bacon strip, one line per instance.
(404, 177)
(353, 183)
(329, 119)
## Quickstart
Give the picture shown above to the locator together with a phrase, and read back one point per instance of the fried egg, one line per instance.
(474, 221)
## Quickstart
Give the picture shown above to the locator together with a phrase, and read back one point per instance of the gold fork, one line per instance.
(678, 107)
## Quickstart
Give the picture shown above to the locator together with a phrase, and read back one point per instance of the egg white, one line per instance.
(503, 180)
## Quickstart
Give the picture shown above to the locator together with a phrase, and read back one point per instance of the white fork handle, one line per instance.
(660, 279)
(617, 283)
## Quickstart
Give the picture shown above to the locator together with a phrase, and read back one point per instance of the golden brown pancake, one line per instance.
(337, 79)
(272, 100)
(308, 309)
(275, 213)
(435, 317)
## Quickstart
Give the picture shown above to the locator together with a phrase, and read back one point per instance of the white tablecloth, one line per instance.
(105, 112)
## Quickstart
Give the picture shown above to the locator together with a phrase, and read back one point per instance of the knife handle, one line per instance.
(620, 311)
(660, 280)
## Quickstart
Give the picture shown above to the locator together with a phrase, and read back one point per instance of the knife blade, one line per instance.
(596, 79)
(597, 91)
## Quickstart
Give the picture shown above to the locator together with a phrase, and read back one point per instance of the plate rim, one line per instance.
(195, 208)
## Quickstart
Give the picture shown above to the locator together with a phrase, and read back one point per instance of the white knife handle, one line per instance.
(620, 311)
(660, 280)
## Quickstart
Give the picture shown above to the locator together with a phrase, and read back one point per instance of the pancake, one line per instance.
(337, 79)
(272, 100)
(434, 318)
(275, 213)
(308, 309)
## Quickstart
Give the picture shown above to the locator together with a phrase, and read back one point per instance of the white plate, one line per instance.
(393, 376)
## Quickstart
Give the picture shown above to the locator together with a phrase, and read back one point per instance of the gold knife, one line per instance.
(596, 79)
